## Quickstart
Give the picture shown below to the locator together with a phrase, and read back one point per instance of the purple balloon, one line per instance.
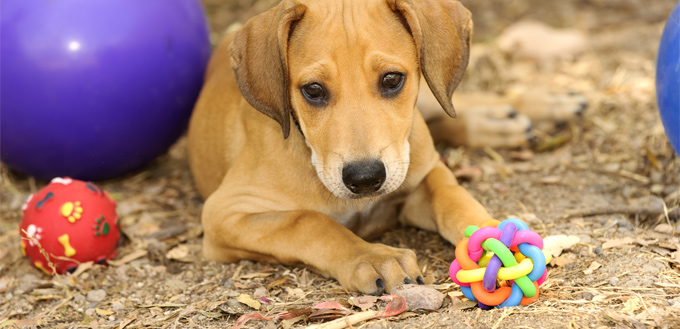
(96, 89)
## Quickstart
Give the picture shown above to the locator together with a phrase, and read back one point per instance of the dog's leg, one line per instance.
(482, 120)
(304, 236)
(548, 110)
(440, 204)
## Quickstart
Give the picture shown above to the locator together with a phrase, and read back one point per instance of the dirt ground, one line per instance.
(611, 180)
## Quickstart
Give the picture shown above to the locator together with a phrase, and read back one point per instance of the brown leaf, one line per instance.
(180, 253)
(561, 261)
(614, 243)
(555, 244)
(593, 266)
(103, 312)
(129, 257)
(363, 302)
(247, 300)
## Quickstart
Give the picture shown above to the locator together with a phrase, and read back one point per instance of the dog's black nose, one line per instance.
(364, 177)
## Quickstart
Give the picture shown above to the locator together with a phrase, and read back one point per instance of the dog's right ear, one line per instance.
(259, 60)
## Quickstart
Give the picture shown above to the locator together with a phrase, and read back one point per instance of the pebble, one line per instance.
(90, 311)
(614, 281)
(598, 251)
(96, 296)
(419, 297)
(626, 225)
(231, 302)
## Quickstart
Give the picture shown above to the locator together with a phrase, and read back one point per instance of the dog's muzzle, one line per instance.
(364, 177)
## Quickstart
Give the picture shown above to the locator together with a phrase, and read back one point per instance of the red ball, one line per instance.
(72, 222)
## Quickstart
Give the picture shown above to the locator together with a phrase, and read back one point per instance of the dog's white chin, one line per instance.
(396, 168)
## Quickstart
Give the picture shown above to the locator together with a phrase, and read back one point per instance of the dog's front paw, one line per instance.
(550, 110)
(379, 269)
(497, 126)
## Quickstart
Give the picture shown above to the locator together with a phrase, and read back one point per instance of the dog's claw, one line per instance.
(381, 286)
(420, 280)
(408, 281)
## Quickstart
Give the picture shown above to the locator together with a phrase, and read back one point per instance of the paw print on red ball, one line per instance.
(72, 222)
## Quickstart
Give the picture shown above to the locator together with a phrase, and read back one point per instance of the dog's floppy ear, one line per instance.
(441, 30)
(259, 60)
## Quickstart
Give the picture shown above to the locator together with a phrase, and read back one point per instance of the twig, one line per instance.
(347, 321)
(626, 210)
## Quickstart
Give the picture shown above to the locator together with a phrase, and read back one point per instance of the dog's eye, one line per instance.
(314, 93)
(391, 83)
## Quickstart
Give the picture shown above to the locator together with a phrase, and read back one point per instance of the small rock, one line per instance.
(90, 312)
(664, 228)
(625, 225)
(96, 296)
(232, 302)
(417, 296)
(78, 298)
(614, 281)
(598, 251)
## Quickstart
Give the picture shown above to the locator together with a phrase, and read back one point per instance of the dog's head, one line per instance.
(349, 72)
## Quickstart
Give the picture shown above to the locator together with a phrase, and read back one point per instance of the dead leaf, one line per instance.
(180, 253)
(247, 317)
(103, 312)
(255, 275)
(129, 257)
(27, 322)
(277, 283)
(363, 302)
(260, 292)
(555, 244)
(561, 261)
(396, 306)
(615, 243)
(288, 323)
(631, 305)
(296, 293)
(593, 266)
(247, 300)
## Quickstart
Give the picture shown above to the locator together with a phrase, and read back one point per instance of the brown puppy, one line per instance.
(358, 157)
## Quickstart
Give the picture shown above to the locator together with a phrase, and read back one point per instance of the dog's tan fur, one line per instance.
(274, 193)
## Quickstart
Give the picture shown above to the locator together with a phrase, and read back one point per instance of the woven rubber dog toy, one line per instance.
(506, 254)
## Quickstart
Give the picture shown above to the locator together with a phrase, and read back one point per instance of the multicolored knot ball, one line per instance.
(69, 222)
(501, 264)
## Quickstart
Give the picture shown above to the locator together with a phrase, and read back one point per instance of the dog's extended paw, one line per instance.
(549, 110)
(497, 126)
(380, 269)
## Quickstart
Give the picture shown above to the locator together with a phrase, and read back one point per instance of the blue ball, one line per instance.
(95, 89)
(668, 78)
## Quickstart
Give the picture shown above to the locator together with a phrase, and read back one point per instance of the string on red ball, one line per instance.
(69, 222)
(501, 264)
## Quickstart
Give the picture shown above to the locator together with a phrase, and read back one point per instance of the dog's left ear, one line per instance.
(259, 58)
(442, 30)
